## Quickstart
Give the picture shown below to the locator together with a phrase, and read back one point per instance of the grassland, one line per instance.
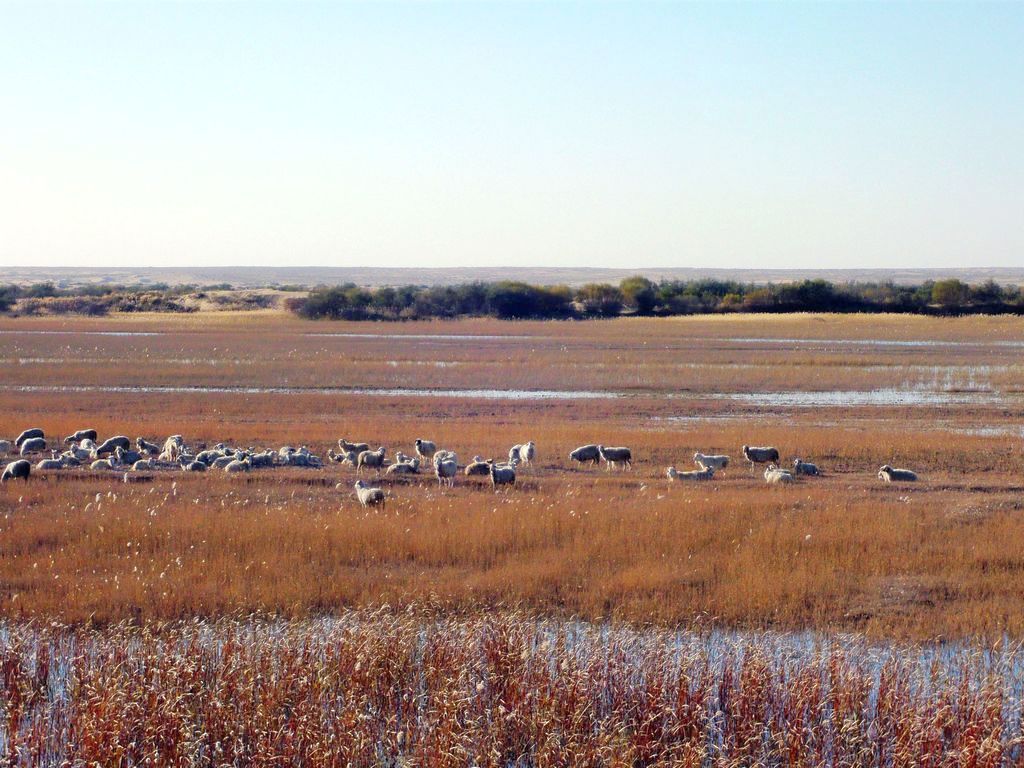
(940, 558)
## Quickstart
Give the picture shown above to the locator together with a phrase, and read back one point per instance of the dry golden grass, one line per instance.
(843, 551)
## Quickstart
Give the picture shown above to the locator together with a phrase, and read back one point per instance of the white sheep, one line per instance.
(346, 446)
(527, 452)
(616, 456)
(586, 453)
(717, 462)
(404, 468)
(478, 467)
(504, 474)
(891, 474)
(445, 469)
(425, 449)
(775, 476)
(371, 459)
(369, 497)
(705, 473)
(238, 465)
(801, 467)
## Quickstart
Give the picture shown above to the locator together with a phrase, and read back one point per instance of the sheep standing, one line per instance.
(891, 474)
(346, 446)
(717, 462)
(425, 449)
(513, 453)
(445, 468)
(801, 467)
(33, 445)
(28, 434)
(82, 434)
(586, 453)
(369, 497)
(21, 468)
(527, 452)
(372, 459)
(616, 456)
(760, 455)
(705, 473)
(5, 446)
(502, 475)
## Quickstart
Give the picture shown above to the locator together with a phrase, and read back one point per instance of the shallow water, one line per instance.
(873, 342)
(35, 332)
(480, 394)
(879, 397)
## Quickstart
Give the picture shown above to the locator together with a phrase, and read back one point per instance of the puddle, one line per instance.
(874, 342)
(429, 336)
(883, 397)
(82, 333)
(476, 394)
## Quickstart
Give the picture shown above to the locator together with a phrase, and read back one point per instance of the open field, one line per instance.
(938, 558)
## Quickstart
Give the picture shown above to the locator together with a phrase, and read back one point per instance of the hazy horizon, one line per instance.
(741, 136)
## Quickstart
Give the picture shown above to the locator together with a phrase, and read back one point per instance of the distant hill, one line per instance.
(250, 277)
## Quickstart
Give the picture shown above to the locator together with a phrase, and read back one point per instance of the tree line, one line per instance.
(517, 300)
(641, 296)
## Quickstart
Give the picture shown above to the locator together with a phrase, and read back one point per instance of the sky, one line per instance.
(799, 135)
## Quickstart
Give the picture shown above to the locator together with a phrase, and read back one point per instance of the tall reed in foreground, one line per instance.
(377, 688)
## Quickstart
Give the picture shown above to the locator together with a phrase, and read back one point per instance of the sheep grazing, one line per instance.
(371, 459)
(775, 476)
(586, 453)
(706, 473)
(478, 467)
(82, 434)
(33, 445)
(425, 449)
(513, 453)
(369, 496)
(346, 446)
(801, 467)
(764, 455)
(616, 456)
(147, 447)
(17, 469)
(111, 444)
(504, 474)
(717, 462)
(891, 474)
(410, 467)
(445, 468)
(28, 434)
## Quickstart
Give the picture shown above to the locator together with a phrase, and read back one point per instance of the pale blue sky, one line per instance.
(660, 134)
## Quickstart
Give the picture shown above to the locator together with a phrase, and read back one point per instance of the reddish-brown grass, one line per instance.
(842, 551)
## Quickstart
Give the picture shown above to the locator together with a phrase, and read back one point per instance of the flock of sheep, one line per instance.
(82, 449)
